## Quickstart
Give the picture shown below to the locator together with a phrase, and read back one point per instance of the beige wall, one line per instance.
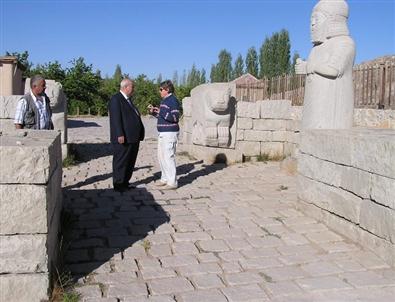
(10, 77)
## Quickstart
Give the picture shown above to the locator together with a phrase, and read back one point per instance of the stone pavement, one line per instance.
(227, 234)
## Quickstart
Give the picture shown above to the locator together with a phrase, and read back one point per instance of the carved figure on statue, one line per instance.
(329, 94)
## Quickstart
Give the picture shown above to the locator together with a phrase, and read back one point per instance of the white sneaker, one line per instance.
(168, 187)
(160, 183)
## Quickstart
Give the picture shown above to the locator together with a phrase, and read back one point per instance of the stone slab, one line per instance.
(24, 287)
(276, 109)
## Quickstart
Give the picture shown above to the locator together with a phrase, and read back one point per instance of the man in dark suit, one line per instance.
(126, 132)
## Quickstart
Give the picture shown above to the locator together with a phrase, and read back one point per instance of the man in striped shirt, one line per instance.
(33, 110)
(168, 115)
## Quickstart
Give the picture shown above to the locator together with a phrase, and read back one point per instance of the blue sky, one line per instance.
(153, 37)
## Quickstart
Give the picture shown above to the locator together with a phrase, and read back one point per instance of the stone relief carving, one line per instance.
(329, 94)
(212, 115)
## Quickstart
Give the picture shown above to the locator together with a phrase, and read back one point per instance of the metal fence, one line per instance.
(374, 87)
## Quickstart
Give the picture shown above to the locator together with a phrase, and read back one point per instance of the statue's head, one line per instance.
(329, 19)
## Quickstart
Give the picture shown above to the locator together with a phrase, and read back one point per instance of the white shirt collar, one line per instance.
(35, 98)
(124, 95)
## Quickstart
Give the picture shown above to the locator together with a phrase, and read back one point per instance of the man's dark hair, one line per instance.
(168, 85)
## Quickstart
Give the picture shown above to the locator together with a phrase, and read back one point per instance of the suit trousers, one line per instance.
(167, 142)
(123, 162)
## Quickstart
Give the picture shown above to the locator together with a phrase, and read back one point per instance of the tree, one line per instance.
(193, 78)
(213, 74)
(203, 76)
(224, 66)
(175, 78)
(117, 77)
(159, 79)
(81, 85)
(275, 55)
(50, 71)
(252, 62)
(294, 58)
(145, 93)
(23, 61)
(238, 70)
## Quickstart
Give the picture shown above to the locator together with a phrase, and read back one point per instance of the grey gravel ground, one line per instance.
(227, 234)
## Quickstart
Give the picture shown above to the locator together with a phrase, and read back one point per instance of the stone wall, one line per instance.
(347, 180)
(31, 202)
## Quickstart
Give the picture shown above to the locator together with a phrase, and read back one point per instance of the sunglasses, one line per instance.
(161, 89)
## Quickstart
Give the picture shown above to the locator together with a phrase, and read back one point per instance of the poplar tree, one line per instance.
(252, 61)
(239, 67)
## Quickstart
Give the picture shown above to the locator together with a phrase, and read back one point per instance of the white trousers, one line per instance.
(167, 142)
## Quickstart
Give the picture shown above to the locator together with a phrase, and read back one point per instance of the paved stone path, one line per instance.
(227, 234)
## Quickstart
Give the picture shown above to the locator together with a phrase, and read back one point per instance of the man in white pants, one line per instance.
(168, 115)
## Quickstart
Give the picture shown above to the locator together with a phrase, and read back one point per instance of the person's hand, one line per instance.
(121, 139)
(152, 109)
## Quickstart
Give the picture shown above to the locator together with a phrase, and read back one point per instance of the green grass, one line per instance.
(69, 161)
(71, 297)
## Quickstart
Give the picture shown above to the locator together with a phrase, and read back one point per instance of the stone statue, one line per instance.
(211, 115)
(329, 94)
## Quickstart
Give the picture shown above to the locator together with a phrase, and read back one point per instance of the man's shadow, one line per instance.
(81, 124)
(104, 226)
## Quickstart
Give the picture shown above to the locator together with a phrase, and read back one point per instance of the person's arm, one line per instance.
(116, 119)
(20, 113)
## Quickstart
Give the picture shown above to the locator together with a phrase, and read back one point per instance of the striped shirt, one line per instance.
(40, 103)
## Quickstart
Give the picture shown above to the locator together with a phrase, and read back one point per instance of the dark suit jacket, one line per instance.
(124, 121)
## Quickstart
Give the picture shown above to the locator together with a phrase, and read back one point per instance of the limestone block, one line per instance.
(293, 125)
(374, 118)
(8, 106)
(293, 137)
(374, 151)
(59, 123)
(240, 135)
(327, 144)
(356, 181)
(269, 124)
(187, 106)
(330, 198)
(23, 254)
(249, 148)
(279, 136)
(276, 109)
(23, 209)
(187, 138)
(273, 149)
(29, 159)
(24, 287)
(187, 124)
(211, 155)
(378, 220)
(296, 113)
(383, 190)
(290, 149)
(319, 170)
(248, 109)
(258, 136)
(244, 123)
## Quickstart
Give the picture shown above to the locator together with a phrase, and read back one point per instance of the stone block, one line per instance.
(294, 125)
(374, 118)
(296, 113)
(187, 106)
(372, 150)
(293, 137)
(240, 135)
(8, 106)
(383, 190)
(356, 181)
(275, 109)
(273, 149)
(59, 123)
(24, 287)
(329, 198)
(290, 149)
(210, 154)
(269, 124)
(30, 158)
(249, 148)
(248, 109)
(279, 136)
(244, 123)
(378, 220)
(258, 136)
(23, 254)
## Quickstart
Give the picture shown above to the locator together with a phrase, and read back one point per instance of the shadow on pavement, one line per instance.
(80, 123)
(85, 152)
(106, 226)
